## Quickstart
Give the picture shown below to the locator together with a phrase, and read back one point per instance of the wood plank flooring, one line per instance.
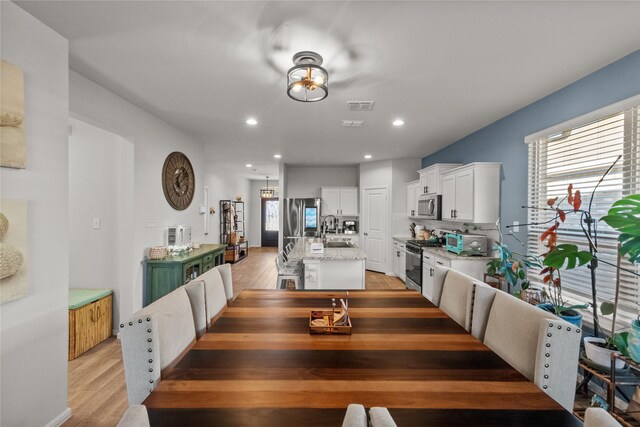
(97, 391)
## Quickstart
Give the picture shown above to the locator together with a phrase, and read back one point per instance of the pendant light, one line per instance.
(307, 80)
(266, 193)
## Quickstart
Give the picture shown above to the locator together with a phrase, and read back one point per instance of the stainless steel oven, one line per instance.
(414, 267)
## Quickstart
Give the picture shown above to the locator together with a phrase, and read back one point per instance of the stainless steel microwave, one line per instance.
(430, 206)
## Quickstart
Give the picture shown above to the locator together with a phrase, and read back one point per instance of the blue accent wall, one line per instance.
(503, 140)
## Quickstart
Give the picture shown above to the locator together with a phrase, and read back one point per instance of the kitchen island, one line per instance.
(335, 268)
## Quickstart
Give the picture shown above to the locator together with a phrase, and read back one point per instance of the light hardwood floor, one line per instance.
(97, 391)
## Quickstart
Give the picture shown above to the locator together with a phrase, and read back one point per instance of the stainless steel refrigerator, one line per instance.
(301, 219)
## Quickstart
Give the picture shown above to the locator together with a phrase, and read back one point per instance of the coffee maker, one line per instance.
(350, 226)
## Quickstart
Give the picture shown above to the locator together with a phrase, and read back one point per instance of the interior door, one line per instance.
(270, 221)
(374, 228)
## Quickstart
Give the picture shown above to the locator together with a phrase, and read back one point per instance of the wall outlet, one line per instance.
(96, 222)
(516, 226)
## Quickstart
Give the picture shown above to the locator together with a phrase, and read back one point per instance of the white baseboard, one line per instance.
(60, 419)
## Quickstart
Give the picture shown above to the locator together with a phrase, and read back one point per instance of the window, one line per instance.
(579, 155)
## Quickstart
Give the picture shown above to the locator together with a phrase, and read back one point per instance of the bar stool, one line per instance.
(287, 273)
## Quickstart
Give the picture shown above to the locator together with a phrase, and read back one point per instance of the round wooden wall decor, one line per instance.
(178, 181)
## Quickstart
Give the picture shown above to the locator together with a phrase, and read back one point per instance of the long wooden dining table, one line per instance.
(258, 365)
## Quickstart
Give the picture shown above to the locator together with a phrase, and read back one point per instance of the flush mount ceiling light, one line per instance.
(277, 156)
(398, 122)
(251, 121)
(307, 80)
(248, 165)
(367, 156)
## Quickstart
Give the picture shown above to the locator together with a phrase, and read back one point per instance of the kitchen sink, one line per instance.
(339, 244)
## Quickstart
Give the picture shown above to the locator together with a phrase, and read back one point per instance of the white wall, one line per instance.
(393, 174)
(34, 329)
(254, 206)
(223, 184)
(152, 141)
(305, 181)
(100, 186)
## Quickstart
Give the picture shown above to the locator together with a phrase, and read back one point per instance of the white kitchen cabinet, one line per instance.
(399, 260)
(413, 191)
(474, 267)
(430, 177)
(471, 193)
(339, 201)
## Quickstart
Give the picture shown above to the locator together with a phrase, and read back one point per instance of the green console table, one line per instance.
(164, 275)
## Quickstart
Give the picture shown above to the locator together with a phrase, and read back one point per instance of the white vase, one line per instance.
(600, 355)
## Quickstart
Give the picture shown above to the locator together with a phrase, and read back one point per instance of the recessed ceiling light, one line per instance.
(248, 165)
(252, 121)
(367, 156)
(277, 156)
(398, 122)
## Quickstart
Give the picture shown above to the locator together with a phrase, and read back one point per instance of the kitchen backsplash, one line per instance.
(488, 230)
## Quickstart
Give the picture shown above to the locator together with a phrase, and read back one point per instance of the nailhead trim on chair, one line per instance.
(150, 350)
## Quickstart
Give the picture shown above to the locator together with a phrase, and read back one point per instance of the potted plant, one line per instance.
(511, 266)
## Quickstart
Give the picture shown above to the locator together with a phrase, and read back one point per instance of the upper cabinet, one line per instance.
(342, 201)
(430, 177)
(413, 191)
(471, 193)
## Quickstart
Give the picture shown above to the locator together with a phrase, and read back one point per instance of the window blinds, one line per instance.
(580, 156)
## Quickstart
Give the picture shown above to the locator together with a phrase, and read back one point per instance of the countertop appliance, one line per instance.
(414, 262)
(301, 218)
(430, 206)
(350, 226)
(466, 244)
(179, 235)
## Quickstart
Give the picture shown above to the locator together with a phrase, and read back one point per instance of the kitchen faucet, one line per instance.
(323, 227)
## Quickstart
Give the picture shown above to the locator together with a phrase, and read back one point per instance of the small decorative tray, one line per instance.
(321, 323)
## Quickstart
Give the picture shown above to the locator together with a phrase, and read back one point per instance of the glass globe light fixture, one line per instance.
(307, 80)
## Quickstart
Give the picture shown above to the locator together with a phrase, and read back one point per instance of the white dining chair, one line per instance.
(356, 416)
(598, 417)
(380, 417)
(439, 275)
(286, 273)
(196, 292)
(135, 416)
(215, 297)
(540, 345)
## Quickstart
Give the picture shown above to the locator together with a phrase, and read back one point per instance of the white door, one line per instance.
(448, 196)
(330, 201)
(374, 228)
(349, 202)
(464, 196)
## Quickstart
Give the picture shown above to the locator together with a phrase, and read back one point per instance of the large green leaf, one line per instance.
(624, 215)
(630, 244)
(568, 256)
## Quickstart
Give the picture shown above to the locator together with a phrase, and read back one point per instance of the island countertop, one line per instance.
(301, 251)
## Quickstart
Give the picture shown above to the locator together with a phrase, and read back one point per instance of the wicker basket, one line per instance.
(158, 252)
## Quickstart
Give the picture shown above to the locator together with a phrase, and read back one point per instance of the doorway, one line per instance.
(270, 227)
(374, 228)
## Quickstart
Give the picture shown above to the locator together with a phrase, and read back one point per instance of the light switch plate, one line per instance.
(96, 223)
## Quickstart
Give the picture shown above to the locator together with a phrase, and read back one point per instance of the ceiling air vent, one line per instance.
(352, 123)
(360, 105)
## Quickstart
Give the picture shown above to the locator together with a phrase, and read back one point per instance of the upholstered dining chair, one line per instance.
(540, 345)
(152, 339)
(456, 289)
(227, 279)
(356, 416)
(598, 417)
(196, 292)
(439, 275)
(380, 417)
(215, 297)
(135, 416)
(480, 302)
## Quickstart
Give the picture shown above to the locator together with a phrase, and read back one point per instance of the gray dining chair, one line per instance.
(152, 339)
(481, 301)
(439, 275)
(598, 417)
(380, 417)
(456, 290)
(540, 345)
(135, 416)
(227, 279)
(356, 416)
(196, 292)
(215, 297)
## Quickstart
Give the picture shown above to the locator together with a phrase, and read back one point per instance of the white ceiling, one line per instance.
(446, 68)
